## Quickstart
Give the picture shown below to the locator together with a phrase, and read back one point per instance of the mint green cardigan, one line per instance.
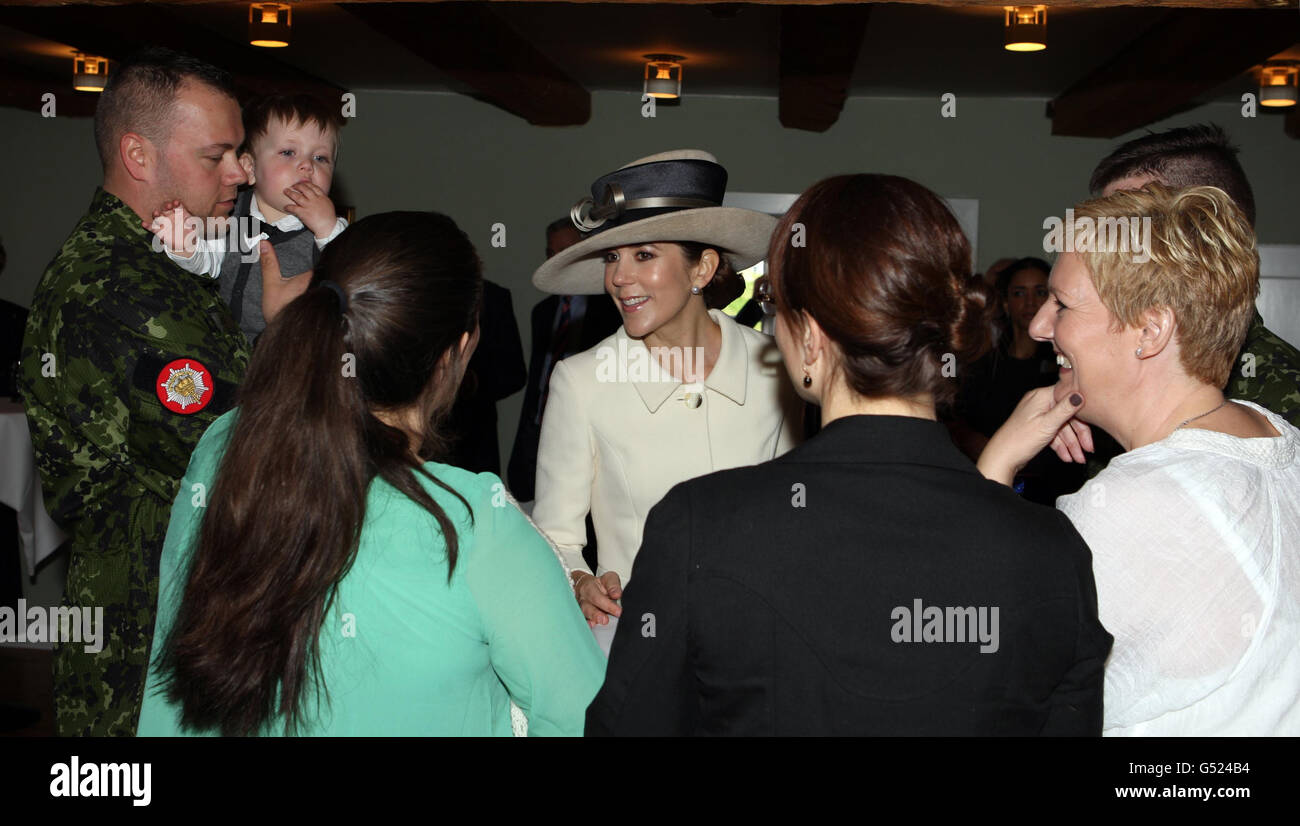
(404, 652)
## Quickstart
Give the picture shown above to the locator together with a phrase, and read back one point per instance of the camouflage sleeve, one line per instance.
(78, 404)
(1267, 373)
(89, 413)
(126, 361)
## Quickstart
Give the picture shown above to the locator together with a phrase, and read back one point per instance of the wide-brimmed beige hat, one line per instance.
(672, 196)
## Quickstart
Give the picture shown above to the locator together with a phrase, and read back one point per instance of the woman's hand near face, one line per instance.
(1038, 421)
(596, 596)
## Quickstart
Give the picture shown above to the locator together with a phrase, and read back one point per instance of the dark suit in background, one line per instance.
(13, 320)
(763, 601)
(495, 371)
(599, 321)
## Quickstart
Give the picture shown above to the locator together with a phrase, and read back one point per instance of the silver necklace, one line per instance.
(1203, 415)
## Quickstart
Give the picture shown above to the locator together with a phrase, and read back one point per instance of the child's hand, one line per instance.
(173, 228)
(313, 207)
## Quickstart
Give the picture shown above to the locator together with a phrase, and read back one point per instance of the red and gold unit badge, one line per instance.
(185, 386)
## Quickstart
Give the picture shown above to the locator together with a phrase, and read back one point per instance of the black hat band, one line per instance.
(649, 189)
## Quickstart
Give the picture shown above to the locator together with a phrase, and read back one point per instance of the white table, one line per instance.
(20, 488)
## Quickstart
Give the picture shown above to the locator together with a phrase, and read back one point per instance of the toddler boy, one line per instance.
(289, 150)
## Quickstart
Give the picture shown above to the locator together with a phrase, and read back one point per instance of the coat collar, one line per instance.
(883, 440)
(728, 376)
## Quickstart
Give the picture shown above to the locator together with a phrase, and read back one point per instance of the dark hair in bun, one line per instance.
(885, 269)
(726, 286)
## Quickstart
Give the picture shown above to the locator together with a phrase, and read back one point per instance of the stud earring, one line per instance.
(807, 379)
(1138, 353)
(695, 290)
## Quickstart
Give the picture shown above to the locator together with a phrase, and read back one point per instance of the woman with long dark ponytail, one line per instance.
(322, 575)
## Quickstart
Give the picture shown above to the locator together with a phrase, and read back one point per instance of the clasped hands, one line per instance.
(596, 596)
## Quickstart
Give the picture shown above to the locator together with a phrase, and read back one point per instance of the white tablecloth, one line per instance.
(20, 487)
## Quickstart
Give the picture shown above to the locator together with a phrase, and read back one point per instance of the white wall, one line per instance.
(1279, 289)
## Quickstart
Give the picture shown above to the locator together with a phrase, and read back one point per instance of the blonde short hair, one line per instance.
(1203, 266)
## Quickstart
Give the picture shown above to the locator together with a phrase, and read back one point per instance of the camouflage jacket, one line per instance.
(1267, 372)
(126, 361)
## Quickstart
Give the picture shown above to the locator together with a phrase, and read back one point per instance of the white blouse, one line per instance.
(613, 442)
(1195, 543)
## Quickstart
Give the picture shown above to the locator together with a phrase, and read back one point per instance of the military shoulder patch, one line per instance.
(184, 386)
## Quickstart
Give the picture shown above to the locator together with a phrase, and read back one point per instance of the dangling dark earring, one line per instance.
(807, 379)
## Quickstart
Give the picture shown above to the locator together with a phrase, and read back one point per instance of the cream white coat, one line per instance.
(614, 440)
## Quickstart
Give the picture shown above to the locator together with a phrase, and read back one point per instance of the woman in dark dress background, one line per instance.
(870, 581)
(993, 386)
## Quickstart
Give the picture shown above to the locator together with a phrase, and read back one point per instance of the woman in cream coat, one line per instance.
(680, 390)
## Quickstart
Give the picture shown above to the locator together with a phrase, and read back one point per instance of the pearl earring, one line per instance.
(1138, 353)
(695, 290)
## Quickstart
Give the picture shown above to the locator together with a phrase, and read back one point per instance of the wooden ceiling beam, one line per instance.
(819, 48)
(469, 42)
(116, 32)
(1165, 69)
(1055, 4)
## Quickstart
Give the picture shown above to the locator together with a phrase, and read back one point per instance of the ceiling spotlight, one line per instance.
(1277, 83)
(268, 24)
(663, 76)
(89, 73)
(1026, 28)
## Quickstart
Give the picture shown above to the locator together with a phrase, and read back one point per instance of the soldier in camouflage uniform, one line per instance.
(126, 361)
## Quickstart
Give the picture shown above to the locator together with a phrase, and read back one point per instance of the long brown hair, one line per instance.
(284, 516)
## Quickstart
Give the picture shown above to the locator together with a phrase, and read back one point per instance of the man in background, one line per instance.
(495, 371)
(562, 325)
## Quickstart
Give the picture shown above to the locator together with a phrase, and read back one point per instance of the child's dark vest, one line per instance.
(240, 282)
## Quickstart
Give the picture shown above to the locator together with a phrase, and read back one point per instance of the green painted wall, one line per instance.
(483, 166)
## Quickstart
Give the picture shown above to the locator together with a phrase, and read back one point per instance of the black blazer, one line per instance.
(600, 321)
(768, 600)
